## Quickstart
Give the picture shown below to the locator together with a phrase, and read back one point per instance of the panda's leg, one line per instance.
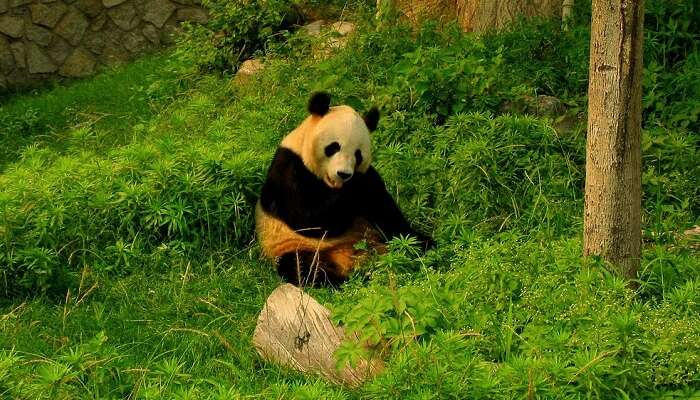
(310, 268)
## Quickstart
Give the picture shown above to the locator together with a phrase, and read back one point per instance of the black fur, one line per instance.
(305, 203)
(372, 118)
(319, 103)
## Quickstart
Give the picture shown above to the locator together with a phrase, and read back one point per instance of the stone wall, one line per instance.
(44, 39)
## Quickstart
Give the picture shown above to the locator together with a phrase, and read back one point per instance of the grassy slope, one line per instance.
(167, 309)
(111, 102)
(183, 325)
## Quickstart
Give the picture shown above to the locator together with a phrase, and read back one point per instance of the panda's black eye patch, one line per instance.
(332, 149)
(358, 157)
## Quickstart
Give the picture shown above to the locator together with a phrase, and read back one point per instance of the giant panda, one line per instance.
(321, 196)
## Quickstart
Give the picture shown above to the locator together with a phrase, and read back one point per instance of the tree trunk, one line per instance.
(612, 227)
(481, 15)
(417, 10)
(567, 8)
(473, 15)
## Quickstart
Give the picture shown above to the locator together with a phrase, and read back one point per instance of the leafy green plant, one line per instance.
(671, 96)
(20, 124)
(444, 81)
(672, 30)
(389, 319)
(235, 31)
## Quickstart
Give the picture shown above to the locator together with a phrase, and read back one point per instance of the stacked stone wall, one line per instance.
(48, 39)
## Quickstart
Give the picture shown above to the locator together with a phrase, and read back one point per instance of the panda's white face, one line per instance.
(341, 146)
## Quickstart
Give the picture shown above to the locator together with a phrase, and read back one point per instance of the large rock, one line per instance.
(158, 12)
(47, 15)
(114, 54)
(541, 105)
(7, 59)
(313, 28)
(247, 69)
(112, 3)
(19, 53)
(113, 51)
(12, 26)
(169, 33)
(98, 23)
(343, 28)
(90, 7)
(124, 16)
(39, 35)
(94, 42)
(72, 27)
(59, 49)
(197, 15)
(296, 331)
(79, 64)
(19, 77)
(134, 42)
(37, 61)
(251, 67)
(151, 33)
(549, 106)
(19, 3)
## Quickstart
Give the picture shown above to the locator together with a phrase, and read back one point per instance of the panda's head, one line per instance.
(336, 142)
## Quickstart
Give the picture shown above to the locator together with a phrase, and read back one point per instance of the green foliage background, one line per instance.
(128, 266)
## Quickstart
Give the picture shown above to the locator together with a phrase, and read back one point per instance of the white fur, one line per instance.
(341, 124)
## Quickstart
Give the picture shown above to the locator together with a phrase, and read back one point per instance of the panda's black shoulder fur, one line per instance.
(307, 205)
(296, 196)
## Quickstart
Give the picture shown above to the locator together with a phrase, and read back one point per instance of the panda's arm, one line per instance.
(381, 210)
(278, 196)
(290, 193)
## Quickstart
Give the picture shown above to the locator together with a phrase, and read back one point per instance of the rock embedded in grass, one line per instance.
(295, 330)
(313, 28)
(37, 61)
(158, 12)
(343, 28)
(192, 14)
(247, 69)
(341, 32)
(81, 63)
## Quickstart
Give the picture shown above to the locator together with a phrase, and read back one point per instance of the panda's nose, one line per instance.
(344, 175)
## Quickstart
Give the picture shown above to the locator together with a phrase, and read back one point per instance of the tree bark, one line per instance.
(473, 15)
(567, 8)
(612, 226)
(296, 331)
(417, 10)
(481, 15)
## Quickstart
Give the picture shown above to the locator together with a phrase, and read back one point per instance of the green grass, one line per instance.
(185, 330)
(128, 265)
(109, 105)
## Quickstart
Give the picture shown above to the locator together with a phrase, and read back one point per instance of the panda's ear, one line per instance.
(372, 118)
(319, 103)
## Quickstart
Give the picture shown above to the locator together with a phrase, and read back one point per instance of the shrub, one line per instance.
(236, 30)
(165, 195)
